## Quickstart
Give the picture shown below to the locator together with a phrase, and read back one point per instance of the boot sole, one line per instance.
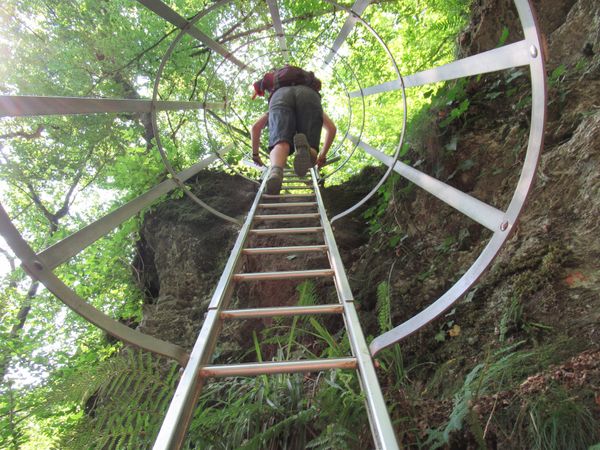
(302, 162)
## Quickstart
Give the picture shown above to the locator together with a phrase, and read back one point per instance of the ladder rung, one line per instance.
(259, 313)
(285, 205)
(286, 216)
(240, 370)
(293, 172)
(269, 231)
(287, 195)
(296, 188)
(294, 249)
(286, 275)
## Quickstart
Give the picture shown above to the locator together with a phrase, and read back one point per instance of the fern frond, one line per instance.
(132, 391)
(384, 307)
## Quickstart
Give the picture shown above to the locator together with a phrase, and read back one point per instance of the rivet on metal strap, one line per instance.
(504, 226)
(533, 51)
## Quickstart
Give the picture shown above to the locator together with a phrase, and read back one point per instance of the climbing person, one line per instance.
(295, 119)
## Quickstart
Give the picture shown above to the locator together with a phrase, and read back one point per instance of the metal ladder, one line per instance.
(198, 369)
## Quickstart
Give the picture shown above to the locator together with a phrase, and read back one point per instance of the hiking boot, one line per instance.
(274, 181)
(302, 161)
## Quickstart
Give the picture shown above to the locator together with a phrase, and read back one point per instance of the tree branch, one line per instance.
(200, 72)
(239, 22)
(12, 284)
(245, 134)
(24, 134)
(240, 119)
(10, 258)
(38, 202)
(13, 16)
(17, 327)
(306, 16)
(129, 63)
(64, 209)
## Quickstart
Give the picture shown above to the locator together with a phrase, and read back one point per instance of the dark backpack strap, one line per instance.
(293, 76)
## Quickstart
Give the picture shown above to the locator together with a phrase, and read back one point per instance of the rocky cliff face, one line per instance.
(183, 250)
(181, 254)
(541, 295)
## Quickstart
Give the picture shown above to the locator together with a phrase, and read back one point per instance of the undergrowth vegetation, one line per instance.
(500, 371)
(287, 411)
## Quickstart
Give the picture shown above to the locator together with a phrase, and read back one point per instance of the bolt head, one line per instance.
(504, 226)
(533, 51)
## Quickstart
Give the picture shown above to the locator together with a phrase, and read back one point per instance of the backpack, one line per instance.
(286, 76)
(293, 76)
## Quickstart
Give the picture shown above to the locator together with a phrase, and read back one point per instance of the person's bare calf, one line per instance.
(278, 157)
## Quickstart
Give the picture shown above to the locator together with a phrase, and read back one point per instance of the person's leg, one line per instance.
(309, 121)
(279, 154)
(302, 160)
(282, 125)
(278, 157)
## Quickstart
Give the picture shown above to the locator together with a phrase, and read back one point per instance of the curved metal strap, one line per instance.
(389, 171)
(536, 140)
(185, 27)
(37, 270)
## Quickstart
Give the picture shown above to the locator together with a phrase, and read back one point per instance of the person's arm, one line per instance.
(255, 131)
(330, 132)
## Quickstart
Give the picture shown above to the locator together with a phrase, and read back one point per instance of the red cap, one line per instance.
(265, 84)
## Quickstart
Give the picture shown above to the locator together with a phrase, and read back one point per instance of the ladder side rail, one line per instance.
(176, 422)
(357, 9)
(155, 95)
(70, 246)
(389, 171)
(278, 25)
(381, 425)
(443, 303)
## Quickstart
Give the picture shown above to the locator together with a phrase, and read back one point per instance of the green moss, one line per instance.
(541, 270)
